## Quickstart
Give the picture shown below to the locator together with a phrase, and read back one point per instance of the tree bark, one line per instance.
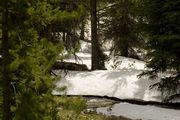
(124, 50)
(5, 65)
(95, 60)
(82, 28)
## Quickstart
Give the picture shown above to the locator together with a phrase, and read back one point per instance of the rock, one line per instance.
(69, 66)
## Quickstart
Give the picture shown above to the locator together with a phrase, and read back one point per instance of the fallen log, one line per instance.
(69, 66)
(175, 105)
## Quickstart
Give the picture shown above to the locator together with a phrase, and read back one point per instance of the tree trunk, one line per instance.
(95, 60)
(124, 50)
(82, 28)
(5, 65)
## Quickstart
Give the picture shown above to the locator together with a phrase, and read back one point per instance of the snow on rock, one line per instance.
(144, 112)
(123, 84)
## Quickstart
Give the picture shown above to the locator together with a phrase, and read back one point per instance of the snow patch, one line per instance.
(123, 84)
(114, 63)
(119, 63)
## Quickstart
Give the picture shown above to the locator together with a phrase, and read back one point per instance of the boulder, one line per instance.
(69, 66)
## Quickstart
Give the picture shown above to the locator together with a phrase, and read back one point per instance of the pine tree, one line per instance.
(67, 30)
(5, 63)
(161, 23)
(28, 55)
(97, 54)
(120, 26)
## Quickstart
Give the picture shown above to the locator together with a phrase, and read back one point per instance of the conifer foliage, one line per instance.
(120, 26)
(28, 55)
(161, 23)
